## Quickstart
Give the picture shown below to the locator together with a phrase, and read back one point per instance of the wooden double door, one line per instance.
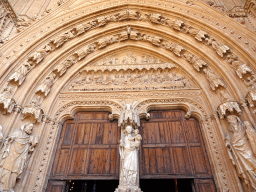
(172, 148)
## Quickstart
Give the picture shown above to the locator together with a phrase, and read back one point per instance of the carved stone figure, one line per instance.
(60, 40)
(7, 103)
(197, 63)
(37, 56)
(241, 69)
(33, 110)
(178, 24)
(61, 68)
(20, 75)
(128, 149)
(78, 30)
(45, 87)
(221, 50)
(213, 79)
(130, 80)
(251, 95)
(14, 155)
(129, 173)
(240, 142)
(201, 35)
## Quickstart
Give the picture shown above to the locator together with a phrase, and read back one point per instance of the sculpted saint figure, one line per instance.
(14, 155)
(129, 147)
(240, 142)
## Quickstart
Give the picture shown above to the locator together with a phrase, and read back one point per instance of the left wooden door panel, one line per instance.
(57, 186)
(88, 148)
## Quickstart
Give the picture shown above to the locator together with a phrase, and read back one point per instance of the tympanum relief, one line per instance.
(130, 72)
(130, 80)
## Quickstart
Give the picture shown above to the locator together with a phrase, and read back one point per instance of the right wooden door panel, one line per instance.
(172, 147)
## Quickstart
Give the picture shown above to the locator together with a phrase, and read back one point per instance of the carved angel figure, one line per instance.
(240, 142)
(214, 80)
(45, 87)
(20, 75)
(129, 147)
(14, 155)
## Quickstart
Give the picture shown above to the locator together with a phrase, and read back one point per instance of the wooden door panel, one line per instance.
(88, 146)
(181, 160)
(56, 186)
(79, 161)
(200, 161)
(177, 134)
(193, 131)
(68, 134)
(83, 133)
(62, 160)
(172, 145)
(204, 185)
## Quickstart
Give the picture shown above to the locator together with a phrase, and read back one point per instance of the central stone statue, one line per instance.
(129, 151)
(129, 174)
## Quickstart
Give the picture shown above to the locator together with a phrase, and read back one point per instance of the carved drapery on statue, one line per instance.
(128, 149)
(14, 155)
(241, 145)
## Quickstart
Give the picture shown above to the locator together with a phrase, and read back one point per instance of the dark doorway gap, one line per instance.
(146, 185)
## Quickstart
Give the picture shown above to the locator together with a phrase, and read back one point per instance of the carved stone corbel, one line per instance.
(33, 110)
(229, 107)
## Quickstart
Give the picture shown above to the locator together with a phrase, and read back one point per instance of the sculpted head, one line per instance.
(128, 129)
(28, 127)
(233, 122)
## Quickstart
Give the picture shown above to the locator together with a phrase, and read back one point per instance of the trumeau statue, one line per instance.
(241, 145)
(129, 151)
(14, 155)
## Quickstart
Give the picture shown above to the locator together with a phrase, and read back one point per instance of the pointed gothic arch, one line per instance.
(168, 30)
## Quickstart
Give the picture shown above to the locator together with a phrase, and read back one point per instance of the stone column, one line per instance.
(129, 122)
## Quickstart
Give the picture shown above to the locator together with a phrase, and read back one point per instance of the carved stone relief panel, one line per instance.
(130, 76)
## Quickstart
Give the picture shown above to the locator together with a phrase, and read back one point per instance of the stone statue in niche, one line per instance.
(14, 155)
(129, 169)
(240, 142)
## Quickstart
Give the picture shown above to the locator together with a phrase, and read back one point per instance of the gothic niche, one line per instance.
(152, 79)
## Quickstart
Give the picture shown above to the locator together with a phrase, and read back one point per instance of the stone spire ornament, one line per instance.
(129, 122)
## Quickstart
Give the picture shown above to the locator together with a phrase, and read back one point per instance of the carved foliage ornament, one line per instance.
(60, 69)
(200, 35)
